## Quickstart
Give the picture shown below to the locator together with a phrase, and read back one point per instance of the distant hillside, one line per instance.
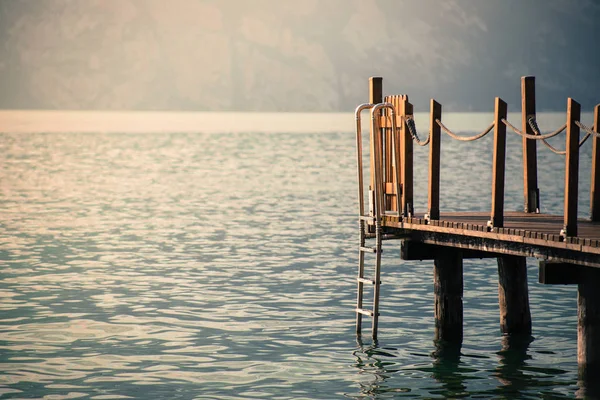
(309, 55)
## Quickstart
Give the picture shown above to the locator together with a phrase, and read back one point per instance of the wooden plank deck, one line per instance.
(523, 234)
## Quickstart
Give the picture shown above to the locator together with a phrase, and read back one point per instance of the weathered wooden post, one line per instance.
(448, 295)
(434, 161)
(571, 168)
(498, 164)
(375, 97)
(588, 313)
(530, 189)
(406, 151)
(396, 184)
(389, 173)
(513, 292)
(513, 296)
(588, 325)
(595, 182)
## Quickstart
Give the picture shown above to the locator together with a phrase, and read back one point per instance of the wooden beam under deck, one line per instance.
(553, 273)
(415, 251)
(523, 234)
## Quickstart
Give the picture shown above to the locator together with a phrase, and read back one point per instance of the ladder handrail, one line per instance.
(357, 115)
(377, 155)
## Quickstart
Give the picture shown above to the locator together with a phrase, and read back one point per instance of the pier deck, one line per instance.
(568, 248)
(523, 234)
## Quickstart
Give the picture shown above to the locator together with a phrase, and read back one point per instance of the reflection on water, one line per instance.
(222, 266)
(448, 371)
(589, 383)
(512, 361)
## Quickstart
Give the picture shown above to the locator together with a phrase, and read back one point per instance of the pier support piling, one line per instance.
(588, 325)
(513, 296)
(448, 293)
(587, 280)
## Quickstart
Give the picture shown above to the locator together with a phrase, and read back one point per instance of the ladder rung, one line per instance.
(362, 311)
(368, 249)
(385, 237)
(391, 237)
(367, 218)
(365, 280)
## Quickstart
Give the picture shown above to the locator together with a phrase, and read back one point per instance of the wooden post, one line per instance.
(595, 185)
(375, 97)
(530, 189)
(448, 293)
(498, 165)
(434, 160)
(513, 296)
(588, 326)
(406, 148)
(389, 176)
(572, 168)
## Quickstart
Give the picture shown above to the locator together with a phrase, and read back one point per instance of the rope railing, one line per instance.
(589, 131)
(410, 123)
(535, 137)
(554, 149)
(464, 138)
(536, 130)
(538, 135)
(397, 162)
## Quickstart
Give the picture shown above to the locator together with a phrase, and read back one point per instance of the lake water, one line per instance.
(220, 263)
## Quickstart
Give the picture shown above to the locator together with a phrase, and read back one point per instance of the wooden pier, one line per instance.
(568, 249)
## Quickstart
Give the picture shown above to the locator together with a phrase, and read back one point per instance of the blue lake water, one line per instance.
(222, 266)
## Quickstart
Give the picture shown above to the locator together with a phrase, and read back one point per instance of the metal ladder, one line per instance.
(377, 210)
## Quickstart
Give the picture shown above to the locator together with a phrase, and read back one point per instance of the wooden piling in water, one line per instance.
(513, 296)
(448, 295)
(587, 280)
(571, 168)
(588, 324)
(530, 188)
(595, 181)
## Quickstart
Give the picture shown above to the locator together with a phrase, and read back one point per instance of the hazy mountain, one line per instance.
(293, 55)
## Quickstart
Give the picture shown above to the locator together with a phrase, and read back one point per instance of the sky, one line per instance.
(313, 55)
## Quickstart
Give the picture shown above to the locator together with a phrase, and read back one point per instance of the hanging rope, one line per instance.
(534, 127)
(554, 149)
(536, 137)
(587, 130)
(410, 123)
(464, 138)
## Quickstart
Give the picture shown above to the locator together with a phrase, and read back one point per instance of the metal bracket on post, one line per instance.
(536, 197)
(408, 210)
